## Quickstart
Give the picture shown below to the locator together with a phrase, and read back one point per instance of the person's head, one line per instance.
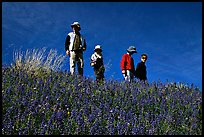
(131, 50)
(144, 57)
(98, 49)
(76, 27)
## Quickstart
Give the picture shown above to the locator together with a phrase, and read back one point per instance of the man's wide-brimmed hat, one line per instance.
(76, 24)
(97, 47)
(132, 49)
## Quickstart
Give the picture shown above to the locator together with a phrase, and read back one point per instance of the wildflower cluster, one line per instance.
(62, 104)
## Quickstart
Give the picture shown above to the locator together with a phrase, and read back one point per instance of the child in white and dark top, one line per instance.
(97, 63)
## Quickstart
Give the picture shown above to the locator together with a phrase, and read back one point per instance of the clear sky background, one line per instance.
(169, 32)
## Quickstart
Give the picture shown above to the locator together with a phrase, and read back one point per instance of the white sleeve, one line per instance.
(93, 58)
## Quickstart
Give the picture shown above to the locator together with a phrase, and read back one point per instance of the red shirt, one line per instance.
(127, 63)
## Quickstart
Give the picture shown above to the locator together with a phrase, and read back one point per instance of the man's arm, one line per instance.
(137, 70)
(122, 64)
(67, 43)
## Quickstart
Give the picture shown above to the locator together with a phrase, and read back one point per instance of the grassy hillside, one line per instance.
(42, 102)
(59, 103)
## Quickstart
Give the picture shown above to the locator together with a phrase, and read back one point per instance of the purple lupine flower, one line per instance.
(91, 117)
(135, 131)
(59, 115)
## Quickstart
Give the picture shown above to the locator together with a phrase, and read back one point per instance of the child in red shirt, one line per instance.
(127, 64)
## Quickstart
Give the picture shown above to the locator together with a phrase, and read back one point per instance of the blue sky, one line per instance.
(169, 32)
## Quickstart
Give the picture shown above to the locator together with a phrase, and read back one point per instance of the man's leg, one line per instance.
(128, 77)
(80, 63)
(72, 61)
(131, 77)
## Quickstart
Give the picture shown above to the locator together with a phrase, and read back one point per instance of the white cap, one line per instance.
(97, 47)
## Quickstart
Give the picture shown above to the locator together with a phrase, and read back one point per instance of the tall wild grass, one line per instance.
(36, 61)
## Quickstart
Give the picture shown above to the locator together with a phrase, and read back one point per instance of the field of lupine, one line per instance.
(61, 104)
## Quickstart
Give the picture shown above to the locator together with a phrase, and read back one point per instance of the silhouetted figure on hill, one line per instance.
(141, 72)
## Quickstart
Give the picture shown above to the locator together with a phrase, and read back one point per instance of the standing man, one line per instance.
(75, 45)
(127, 64)
(141, 72)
